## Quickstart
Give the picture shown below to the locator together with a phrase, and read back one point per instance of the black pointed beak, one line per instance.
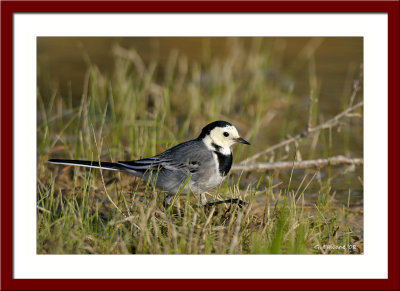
(241, 140)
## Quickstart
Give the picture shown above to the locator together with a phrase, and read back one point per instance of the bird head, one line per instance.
(221, 135)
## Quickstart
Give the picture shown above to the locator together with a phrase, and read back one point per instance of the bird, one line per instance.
(197, 165)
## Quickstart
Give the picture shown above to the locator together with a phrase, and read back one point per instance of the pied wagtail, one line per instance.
(201, 163)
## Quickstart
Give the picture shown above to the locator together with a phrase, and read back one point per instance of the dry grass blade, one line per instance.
(235, 236)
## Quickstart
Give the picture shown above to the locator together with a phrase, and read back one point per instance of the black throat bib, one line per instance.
(224, 161)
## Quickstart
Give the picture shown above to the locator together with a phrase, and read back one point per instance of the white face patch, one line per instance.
(222, 137)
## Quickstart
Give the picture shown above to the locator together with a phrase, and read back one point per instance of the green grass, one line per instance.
(144, 108)
(82, 220)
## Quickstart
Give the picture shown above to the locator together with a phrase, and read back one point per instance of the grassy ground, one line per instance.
(144, 108)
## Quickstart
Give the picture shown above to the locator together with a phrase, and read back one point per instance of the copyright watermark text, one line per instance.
(335, 247)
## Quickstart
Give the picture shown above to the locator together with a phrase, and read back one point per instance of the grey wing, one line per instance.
(189, 157)
(174, 165)
(192, 159)
(186, 157)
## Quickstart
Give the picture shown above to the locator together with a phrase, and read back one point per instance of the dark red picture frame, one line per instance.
(8, 8)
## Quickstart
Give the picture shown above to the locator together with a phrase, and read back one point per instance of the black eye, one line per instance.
(226, 134)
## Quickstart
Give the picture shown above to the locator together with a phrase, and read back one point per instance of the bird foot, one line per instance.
(239, 202)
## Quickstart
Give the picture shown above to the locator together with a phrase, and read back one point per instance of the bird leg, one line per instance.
(203, 199)
(167, 200)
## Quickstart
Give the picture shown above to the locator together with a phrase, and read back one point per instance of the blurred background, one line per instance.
(295, 64)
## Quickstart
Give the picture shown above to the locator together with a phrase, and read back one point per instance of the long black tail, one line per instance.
(89, 164)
